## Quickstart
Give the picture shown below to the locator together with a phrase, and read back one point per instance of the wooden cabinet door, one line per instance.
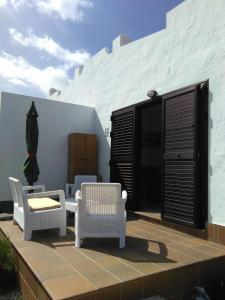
(82, 155)
(91, 154)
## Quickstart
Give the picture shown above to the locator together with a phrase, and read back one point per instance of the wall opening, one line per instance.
(150, 157)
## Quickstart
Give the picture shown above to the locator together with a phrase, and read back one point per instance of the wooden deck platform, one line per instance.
(156, 260)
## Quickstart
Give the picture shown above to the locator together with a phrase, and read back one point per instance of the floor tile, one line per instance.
(121, 270)
(68, 286)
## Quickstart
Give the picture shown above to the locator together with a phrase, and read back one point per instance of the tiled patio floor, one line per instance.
(156, 260)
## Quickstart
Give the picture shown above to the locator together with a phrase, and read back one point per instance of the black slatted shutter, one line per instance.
(122, 164)
(184, 156)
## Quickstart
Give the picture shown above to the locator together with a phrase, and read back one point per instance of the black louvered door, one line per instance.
(122, 163)
(184, 189)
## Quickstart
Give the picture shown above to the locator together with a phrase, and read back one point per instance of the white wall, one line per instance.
(189, 50)
(56, 120)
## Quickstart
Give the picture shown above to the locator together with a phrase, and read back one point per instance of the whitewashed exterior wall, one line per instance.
(56, 120)
(189, 50)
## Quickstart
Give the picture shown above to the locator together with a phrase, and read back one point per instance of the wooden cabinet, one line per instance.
(82, 155)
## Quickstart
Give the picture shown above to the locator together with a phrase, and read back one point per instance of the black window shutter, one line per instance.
(184, 168)
(122, 164)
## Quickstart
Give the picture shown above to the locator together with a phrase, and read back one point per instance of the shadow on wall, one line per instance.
(210, 170)
(103, 150)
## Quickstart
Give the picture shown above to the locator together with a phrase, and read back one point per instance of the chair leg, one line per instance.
(62, 231)
(67, 216)
(27, 234)
(77, 239)
(122, 241)
(122, 235)
(62, 228)
(77, 243)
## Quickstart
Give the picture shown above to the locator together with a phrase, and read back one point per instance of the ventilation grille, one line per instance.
(123, 134)
(179, 120)
(179, 190)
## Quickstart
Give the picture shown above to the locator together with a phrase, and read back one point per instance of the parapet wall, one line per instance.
(103, 54)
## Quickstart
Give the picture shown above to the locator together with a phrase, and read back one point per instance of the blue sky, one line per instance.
(43, 41)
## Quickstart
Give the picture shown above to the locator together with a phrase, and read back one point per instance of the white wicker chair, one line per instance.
(35, 219)
(100, 212)
(71, 188)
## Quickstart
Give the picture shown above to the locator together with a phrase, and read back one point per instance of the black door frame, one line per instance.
(203, 169)
(139, 107)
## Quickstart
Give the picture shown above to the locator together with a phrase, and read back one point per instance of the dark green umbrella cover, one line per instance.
(30, 167)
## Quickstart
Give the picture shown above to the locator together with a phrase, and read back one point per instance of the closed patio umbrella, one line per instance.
(30, 167)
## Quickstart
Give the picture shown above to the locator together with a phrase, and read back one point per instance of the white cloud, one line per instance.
(3, 3)
(15, 4)
(73, 10)
(52, 48)
(16, 70)
(65, 9)
(16, 81)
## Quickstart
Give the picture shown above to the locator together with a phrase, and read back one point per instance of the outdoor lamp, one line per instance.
(152, 94)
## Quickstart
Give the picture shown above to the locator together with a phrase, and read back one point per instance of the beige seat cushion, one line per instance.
(37, 204)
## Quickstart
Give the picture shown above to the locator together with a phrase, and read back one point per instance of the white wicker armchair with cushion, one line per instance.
(100, 212)
(37, 211)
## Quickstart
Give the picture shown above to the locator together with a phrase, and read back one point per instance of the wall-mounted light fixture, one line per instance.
(106, 132)
(152, 94)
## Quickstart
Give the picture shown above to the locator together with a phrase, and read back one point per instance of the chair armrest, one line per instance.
(69, 187)
(46, 194)
(75, 209)
(78, 195)
(78, 199)
(124, 196)
(34, 187)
